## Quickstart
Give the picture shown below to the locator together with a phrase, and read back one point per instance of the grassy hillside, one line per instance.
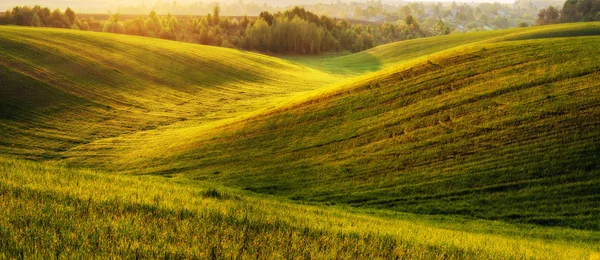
(62, 88)
(480, 145)
(51, 211)
(504, 130)
(395, 54)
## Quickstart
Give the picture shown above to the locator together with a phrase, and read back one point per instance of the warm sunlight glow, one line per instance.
(299, 130)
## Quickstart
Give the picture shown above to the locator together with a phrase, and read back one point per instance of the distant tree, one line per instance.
(210, 38)
(136, 27)
(464, 16)
(166, 33)
(267, 17)
(417, 9)
(405, 11)
(94, 25)
(114, 25)
(227, 44)
(203, 36)
(44, 14)
(388, 30)
(244, 22)
(153, 25)
(225, 23)
(59, 20)
(410, 20)
(327, 23)
(22, 15)
(209, 19)
(437, 10)
(549, 15)
(412, 23)
(580, 10)
(259, 35)
(81, 25)
(483, 19)
(500, 22)
(216, 12)
(442, 28)
(36, 21)
(70, 15)
(523, 24)
(569, 12)
(587, 9)
(6, 18)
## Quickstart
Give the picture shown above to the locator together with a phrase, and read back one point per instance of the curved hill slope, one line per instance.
(499, 130)
(394, 54)
(62, 88)
(504, 125)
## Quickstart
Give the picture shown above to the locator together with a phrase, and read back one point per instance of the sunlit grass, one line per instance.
(500, 131)
(52, 211)
(84, 86)
(490, 142)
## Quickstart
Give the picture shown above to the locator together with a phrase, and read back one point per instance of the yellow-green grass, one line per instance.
(506, 130)
(352, 68)
(61, 88)
(391, 55)
(50, 211)
(498, 125)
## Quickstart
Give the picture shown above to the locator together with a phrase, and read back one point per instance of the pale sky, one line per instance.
(102, 6)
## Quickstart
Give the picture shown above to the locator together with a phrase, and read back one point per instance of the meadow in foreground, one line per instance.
(50, 211)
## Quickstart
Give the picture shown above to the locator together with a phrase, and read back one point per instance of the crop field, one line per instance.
(467, 146)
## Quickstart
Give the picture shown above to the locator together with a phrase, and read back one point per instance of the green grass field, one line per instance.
(109, 85)
(476, 145)
(58, 212)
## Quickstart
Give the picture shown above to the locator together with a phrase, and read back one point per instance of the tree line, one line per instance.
(295, 31)
(572, 11)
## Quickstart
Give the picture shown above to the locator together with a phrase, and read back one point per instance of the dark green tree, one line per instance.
(70, 15)
(549, 15)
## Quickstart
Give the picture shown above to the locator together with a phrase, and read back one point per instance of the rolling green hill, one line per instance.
(504, 129)
(500, 127)
(63, 88)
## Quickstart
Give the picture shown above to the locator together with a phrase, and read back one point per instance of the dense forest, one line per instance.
(294, 31)
(572, 11)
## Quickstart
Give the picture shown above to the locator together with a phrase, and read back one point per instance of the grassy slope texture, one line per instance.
(505, 129)
(50, 211)
(63, 88)
(498, 125)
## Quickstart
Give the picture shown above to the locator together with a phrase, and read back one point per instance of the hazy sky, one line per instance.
(102, 6)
